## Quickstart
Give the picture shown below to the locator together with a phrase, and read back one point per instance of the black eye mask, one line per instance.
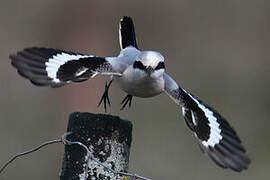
(139, 65)
(160, 65)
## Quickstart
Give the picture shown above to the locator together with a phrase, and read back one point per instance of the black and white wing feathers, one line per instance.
(127, 36)
(54, 67)
(216, 137)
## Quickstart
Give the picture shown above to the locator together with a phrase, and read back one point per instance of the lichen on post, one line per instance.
(107, 137)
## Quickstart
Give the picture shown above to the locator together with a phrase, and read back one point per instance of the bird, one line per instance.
(140, 74)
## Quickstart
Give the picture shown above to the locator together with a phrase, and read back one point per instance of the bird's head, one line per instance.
(151, 62)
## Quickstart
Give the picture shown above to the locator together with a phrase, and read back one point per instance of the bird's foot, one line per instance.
(105, 97)
(126, 100)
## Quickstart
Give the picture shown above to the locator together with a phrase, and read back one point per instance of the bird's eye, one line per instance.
(160, 65)
(139, 65)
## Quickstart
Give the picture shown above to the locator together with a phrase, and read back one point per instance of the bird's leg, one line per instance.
(126, 100)
(105, 96)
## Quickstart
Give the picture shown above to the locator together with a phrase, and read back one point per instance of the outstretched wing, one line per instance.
(127, 36)
(216, 137)
(54, 67)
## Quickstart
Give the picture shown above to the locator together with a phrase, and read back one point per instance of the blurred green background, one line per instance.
(217, 49)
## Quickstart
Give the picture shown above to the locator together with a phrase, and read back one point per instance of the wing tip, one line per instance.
(227, 157)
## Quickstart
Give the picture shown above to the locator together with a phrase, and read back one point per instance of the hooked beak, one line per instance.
(149, 70)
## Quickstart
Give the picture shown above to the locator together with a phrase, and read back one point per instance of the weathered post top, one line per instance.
(109, 140)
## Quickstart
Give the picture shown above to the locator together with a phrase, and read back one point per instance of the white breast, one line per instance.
(136, 83)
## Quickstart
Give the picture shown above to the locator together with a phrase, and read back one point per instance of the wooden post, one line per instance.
(109, 140)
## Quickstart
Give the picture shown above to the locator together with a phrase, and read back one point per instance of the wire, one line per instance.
(28, 152)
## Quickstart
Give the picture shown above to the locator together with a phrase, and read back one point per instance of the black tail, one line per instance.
(127, 34)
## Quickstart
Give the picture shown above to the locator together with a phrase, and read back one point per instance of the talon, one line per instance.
(129, 105)
(126, 100)
(105, 97)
